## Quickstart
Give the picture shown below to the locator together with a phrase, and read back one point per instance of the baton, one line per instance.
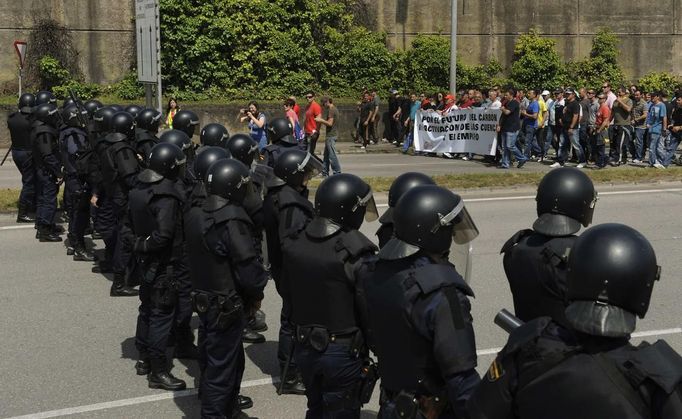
(285, 371)
(6, 154)
(507, 321)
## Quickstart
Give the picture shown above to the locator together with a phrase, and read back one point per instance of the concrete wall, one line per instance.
(650, 32)
(102, 30)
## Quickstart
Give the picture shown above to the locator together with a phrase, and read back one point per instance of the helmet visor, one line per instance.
(311, 165)
(371, 212)
(587, 220)
(464, 230)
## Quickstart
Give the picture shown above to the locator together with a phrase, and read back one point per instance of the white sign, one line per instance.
(459, 131)
(20, 47)
(148, 35)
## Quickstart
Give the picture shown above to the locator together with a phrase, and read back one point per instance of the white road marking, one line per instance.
(20, 227)
(245, 384)
(522, 197)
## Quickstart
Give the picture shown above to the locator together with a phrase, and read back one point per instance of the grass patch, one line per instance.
(9, 199)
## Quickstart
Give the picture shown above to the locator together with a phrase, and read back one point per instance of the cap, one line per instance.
(425, 102)
(569, 91)
(557, 91)
(449, 97)
(544, 93)
(392, 91)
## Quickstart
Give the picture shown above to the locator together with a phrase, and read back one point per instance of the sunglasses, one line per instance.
(309, 97)
(605, 87)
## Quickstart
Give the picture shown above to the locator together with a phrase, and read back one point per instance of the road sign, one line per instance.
(148, 35)
(20, 47)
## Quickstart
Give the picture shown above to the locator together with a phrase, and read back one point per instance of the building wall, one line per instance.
(102, 30)
(650, 32)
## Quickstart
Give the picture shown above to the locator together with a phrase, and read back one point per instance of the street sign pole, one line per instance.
(159, 92)
(20, 48)
(148, 33)
(453, 47)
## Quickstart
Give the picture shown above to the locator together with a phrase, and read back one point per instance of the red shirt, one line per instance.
(604, 114)
(297, 109)
(312, 111)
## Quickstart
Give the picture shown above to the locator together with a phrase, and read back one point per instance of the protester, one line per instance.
(256, 123)
(330, 158)
(311, 128)
(171, 110)
(656, 122)
(509, 128)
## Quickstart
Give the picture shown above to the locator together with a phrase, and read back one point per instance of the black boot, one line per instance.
(120, 289)
(70, 244)
(143, 367)
(23, 217)
(81, 253)
(244, 402)
(249, 336)
(161, 378)
(103, 267)
(293, 383)
(45, 234)
(257, 322)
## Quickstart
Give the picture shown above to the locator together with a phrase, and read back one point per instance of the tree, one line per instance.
(536, 62)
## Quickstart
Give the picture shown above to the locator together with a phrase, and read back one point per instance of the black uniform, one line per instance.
(322, 267)
(48, 165)
(546, 370)
(75, 154)
(19, 125)
(156, 223)
(426, 304)
(228, 278)
(144, 141)
(535, 265)
(286, 213)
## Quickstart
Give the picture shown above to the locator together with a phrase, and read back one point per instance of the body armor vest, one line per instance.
(210, 272)
(406, 360)
(143, 220)
(144, 142)
(74, 148)
(19, 125)
(535, 265)
(117, 159)
(321, 292)
(44, 139)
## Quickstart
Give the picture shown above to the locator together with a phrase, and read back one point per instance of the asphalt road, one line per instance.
(67, 347)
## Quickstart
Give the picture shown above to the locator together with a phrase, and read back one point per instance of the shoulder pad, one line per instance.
(356, 244)
(289, 196)
(515, 239)
(230, 212)
(166, 187)
(524, 334)
(557, 250)
(45, 129)
(660, 363)
(433, 276)
(260, 173)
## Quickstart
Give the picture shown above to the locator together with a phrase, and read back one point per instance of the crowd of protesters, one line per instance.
(585, 126)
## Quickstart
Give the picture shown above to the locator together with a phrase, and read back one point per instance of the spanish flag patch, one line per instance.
(495, 372)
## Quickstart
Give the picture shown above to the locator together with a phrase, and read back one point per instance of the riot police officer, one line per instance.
(280, 135)
(415, 295)
(184, 141)
(92, 106)
(155, 206)
(589, 369)
(535, 260)
(203, 162)
(76, 151)
(186, 121)
(400, 185)
(146, 128)
(19, 124)
(228, 281)
(322, 267)
(119, 167)
(287, 211)
(44, 137)
(134, 110)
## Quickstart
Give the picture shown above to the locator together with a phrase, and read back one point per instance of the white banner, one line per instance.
(460, 131)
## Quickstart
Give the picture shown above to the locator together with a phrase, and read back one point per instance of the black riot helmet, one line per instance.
(102, 118)
(26, 102)
(44, 96)
(91, 106)
(123, 123)
(179, 138)
(611, 273)
(134, 110)
(186, 121)
(345, 199)
(167, 160)
(296, 167)
(400, 185)
(213, 135)
(149, 119)
(68, 101)
(280, 129)
(428, 218)
(206, 158)
(565, 200)
(242, 147)
(48, 114)
(70, 115)
(228, 179)
(117, 108)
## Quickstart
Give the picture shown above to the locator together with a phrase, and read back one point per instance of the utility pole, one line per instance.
(453, 47)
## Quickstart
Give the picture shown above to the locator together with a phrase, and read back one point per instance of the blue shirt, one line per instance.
(655, 117)
(257, 133)
(534, 108)
(413, 110)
